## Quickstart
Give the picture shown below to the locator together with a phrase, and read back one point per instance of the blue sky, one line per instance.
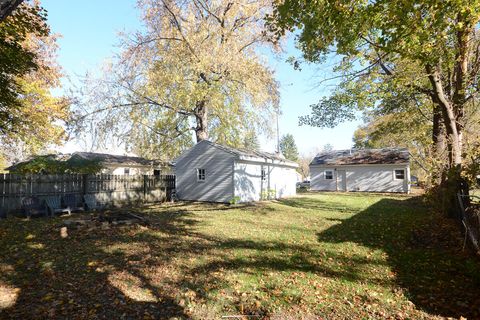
(90, 30)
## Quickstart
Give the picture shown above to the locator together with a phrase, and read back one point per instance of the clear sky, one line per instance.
(90, 28)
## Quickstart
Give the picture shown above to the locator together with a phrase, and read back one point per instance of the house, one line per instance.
(371, 170)
(216, 173)
(125, 165)
(91, 162)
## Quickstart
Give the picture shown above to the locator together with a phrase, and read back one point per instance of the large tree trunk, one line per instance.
(438, 132)
(451, 115)
(439, 145)
(201, 118)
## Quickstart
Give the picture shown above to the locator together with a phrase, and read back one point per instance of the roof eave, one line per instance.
(268, 161)
(359, 164)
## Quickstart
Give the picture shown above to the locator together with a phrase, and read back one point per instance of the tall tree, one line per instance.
(439, 39)
(16, 60)
(304, 165)
(289, 147)
(402, 129)
(30, 116)
(196, 68)
(250, 141)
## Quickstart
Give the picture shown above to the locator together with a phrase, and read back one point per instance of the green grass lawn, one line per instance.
(337, 256)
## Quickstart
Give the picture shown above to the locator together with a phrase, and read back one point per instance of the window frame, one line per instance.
(200, 175)
(325, 175)
(395, 174)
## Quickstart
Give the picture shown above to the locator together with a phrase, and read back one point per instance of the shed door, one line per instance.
(341, 180)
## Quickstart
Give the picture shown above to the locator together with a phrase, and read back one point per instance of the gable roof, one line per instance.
(106, 158)
(364, 156)
(249, 155)
(103, 158)
(47, 157)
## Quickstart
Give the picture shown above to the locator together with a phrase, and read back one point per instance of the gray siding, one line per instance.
(318, 182)
(218, 165)
(373, 178)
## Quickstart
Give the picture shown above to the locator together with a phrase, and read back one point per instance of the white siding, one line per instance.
(373, 178)
(248, 181)
(133, 170)
(218, 165)
(249, 185)
(283, 180)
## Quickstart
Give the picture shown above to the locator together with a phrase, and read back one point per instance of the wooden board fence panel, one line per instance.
(109, 189)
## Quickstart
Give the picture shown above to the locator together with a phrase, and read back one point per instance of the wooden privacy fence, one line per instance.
(109, 189)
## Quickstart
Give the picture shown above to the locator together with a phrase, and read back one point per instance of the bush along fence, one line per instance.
(113, 190)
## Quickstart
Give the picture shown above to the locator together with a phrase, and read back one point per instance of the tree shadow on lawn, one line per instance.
(130, 273)
(122, 272)
(192, 206)
(424, 251)
(136, 273)
(46, 276)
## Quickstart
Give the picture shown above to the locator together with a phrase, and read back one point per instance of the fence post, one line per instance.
(144, 188)
(84, 184)
(4, 177)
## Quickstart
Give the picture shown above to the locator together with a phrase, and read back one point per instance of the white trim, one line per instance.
(252, 158)
(395, 174)
(359, 165)
(325, 174)
(282, 165)
(136, 166)
(285, 163)
(199, 175)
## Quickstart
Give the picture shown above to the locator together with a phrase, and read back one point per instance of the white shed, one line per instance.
(371, 170)
(216, 173)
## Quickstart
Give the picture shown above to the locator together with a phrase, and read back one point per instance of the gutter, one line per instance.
(286, 163)
(360, 164)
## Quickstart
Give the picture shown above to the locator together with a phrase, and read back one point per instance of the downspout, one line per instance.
(233, 181)
(336, 178)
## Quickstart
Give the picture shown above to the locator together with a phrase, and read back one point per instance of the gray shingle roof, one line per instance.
(364, 156)
(105, 158)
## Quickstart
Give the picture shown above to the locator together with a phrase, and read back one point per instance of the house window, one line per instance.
(328, 175)
(399, 174)
(126, 171)
(156, 172)
(200, 175)
(264, 175)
